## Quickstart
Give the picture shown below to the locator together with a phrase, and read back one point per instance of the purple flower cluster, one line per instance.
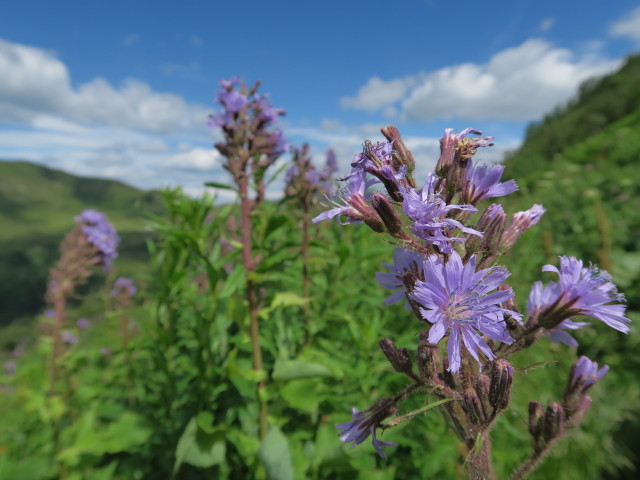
(303, 180)
(124, 285)
(101, 234)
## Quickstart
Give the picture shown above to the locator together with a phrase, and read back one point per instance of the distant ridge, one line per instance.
(38, 199)
(38, 206)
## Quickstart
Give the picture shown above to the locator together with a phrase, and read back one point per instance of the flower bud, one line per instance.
(520, 223)
(428, 358)
(500, 389)
(472, 406)
(553, 422)
(491, 223)
(399, 357)
(387, 213)
(401, 154)
(366, 213)
(483, 385)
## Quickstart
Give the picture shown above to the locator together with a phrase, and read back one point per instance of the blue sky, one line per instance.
(122, 89)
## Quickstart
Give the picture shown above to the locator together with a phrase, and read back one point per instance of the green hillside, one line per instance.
(37, 208)
(581, 162)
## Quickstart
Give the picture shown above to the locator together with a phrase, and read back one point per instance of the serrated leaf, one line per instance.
(275, 455)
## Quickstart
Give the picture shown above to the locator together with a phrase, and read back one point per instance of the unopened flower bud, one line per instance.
(399, 357)
(553, 423)
(367, 213)
(428, 357)
(584, 374)
(483, 386)
(501, 379)
(387, 213)
(401, 154)
(491, 223)
(520, 223)
(472, 406)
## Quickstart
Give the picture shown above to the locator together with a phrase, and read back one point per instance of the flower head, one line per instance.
(364, 424)
(407, 265)
(457, 301)
(520, 223)
(83, 323)
(483, 181)
(580, 291)
(101, 234)
(124, 285)
(586, 372)
(428, 212)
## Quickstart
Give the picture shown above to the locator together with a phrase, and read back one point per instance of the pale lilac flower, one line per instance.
(373, 157)
(559, 335)
(449, 146)
(405, 262)
(83, 323)
(520, 223)
(580, 291)
(364, 424)
(68, 338)
(353, 201)
(101, 234)
(233, 101)
(483, 181)
(585, 373)
(457, 301)
(50, 313)
(124, 285)
(428, 212)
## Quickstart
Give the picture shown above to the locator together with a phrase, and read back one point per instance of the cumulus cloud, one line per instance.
(378, 93)
(628, 26)
(34, 82)
(520, 84)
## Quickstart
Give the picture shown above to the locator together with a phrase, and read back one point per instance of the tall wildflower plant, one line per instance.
(305, 184)
(93, 242)
(446, 269)
(250, 147)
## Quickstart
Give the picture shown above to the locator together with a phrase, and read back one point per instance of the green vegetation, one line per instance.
(178, 400)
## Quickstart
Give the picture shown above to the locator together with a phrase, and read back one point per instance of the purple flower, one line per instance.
(405, 262)
(373, 157)
(101, 234)
(558, 334)
(50, 313)
(105, 351)
(353, 201)
(124, 285)
(364, 424)
(233, 101)
(332, 162)
(68, 338)
(313, 177)
(428, 212)
(267, 113)
(580, 291)
(520, 223)
(483, 181)
(450, 147)
(585, 373)
(83, 323)
(457, 300)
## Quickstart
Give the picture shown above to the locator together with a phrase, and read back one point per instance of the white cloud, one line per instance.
(520, 83)
(194, 158)
(34, 82)
(378, 93)
(628, 26)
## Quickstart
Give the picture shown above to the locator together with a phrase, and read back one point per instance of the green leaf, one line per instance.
(233, 281)
(295, 369)
(223, 186)
(302, 395)
(205, 422)
(199, 448)
(276, 456)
